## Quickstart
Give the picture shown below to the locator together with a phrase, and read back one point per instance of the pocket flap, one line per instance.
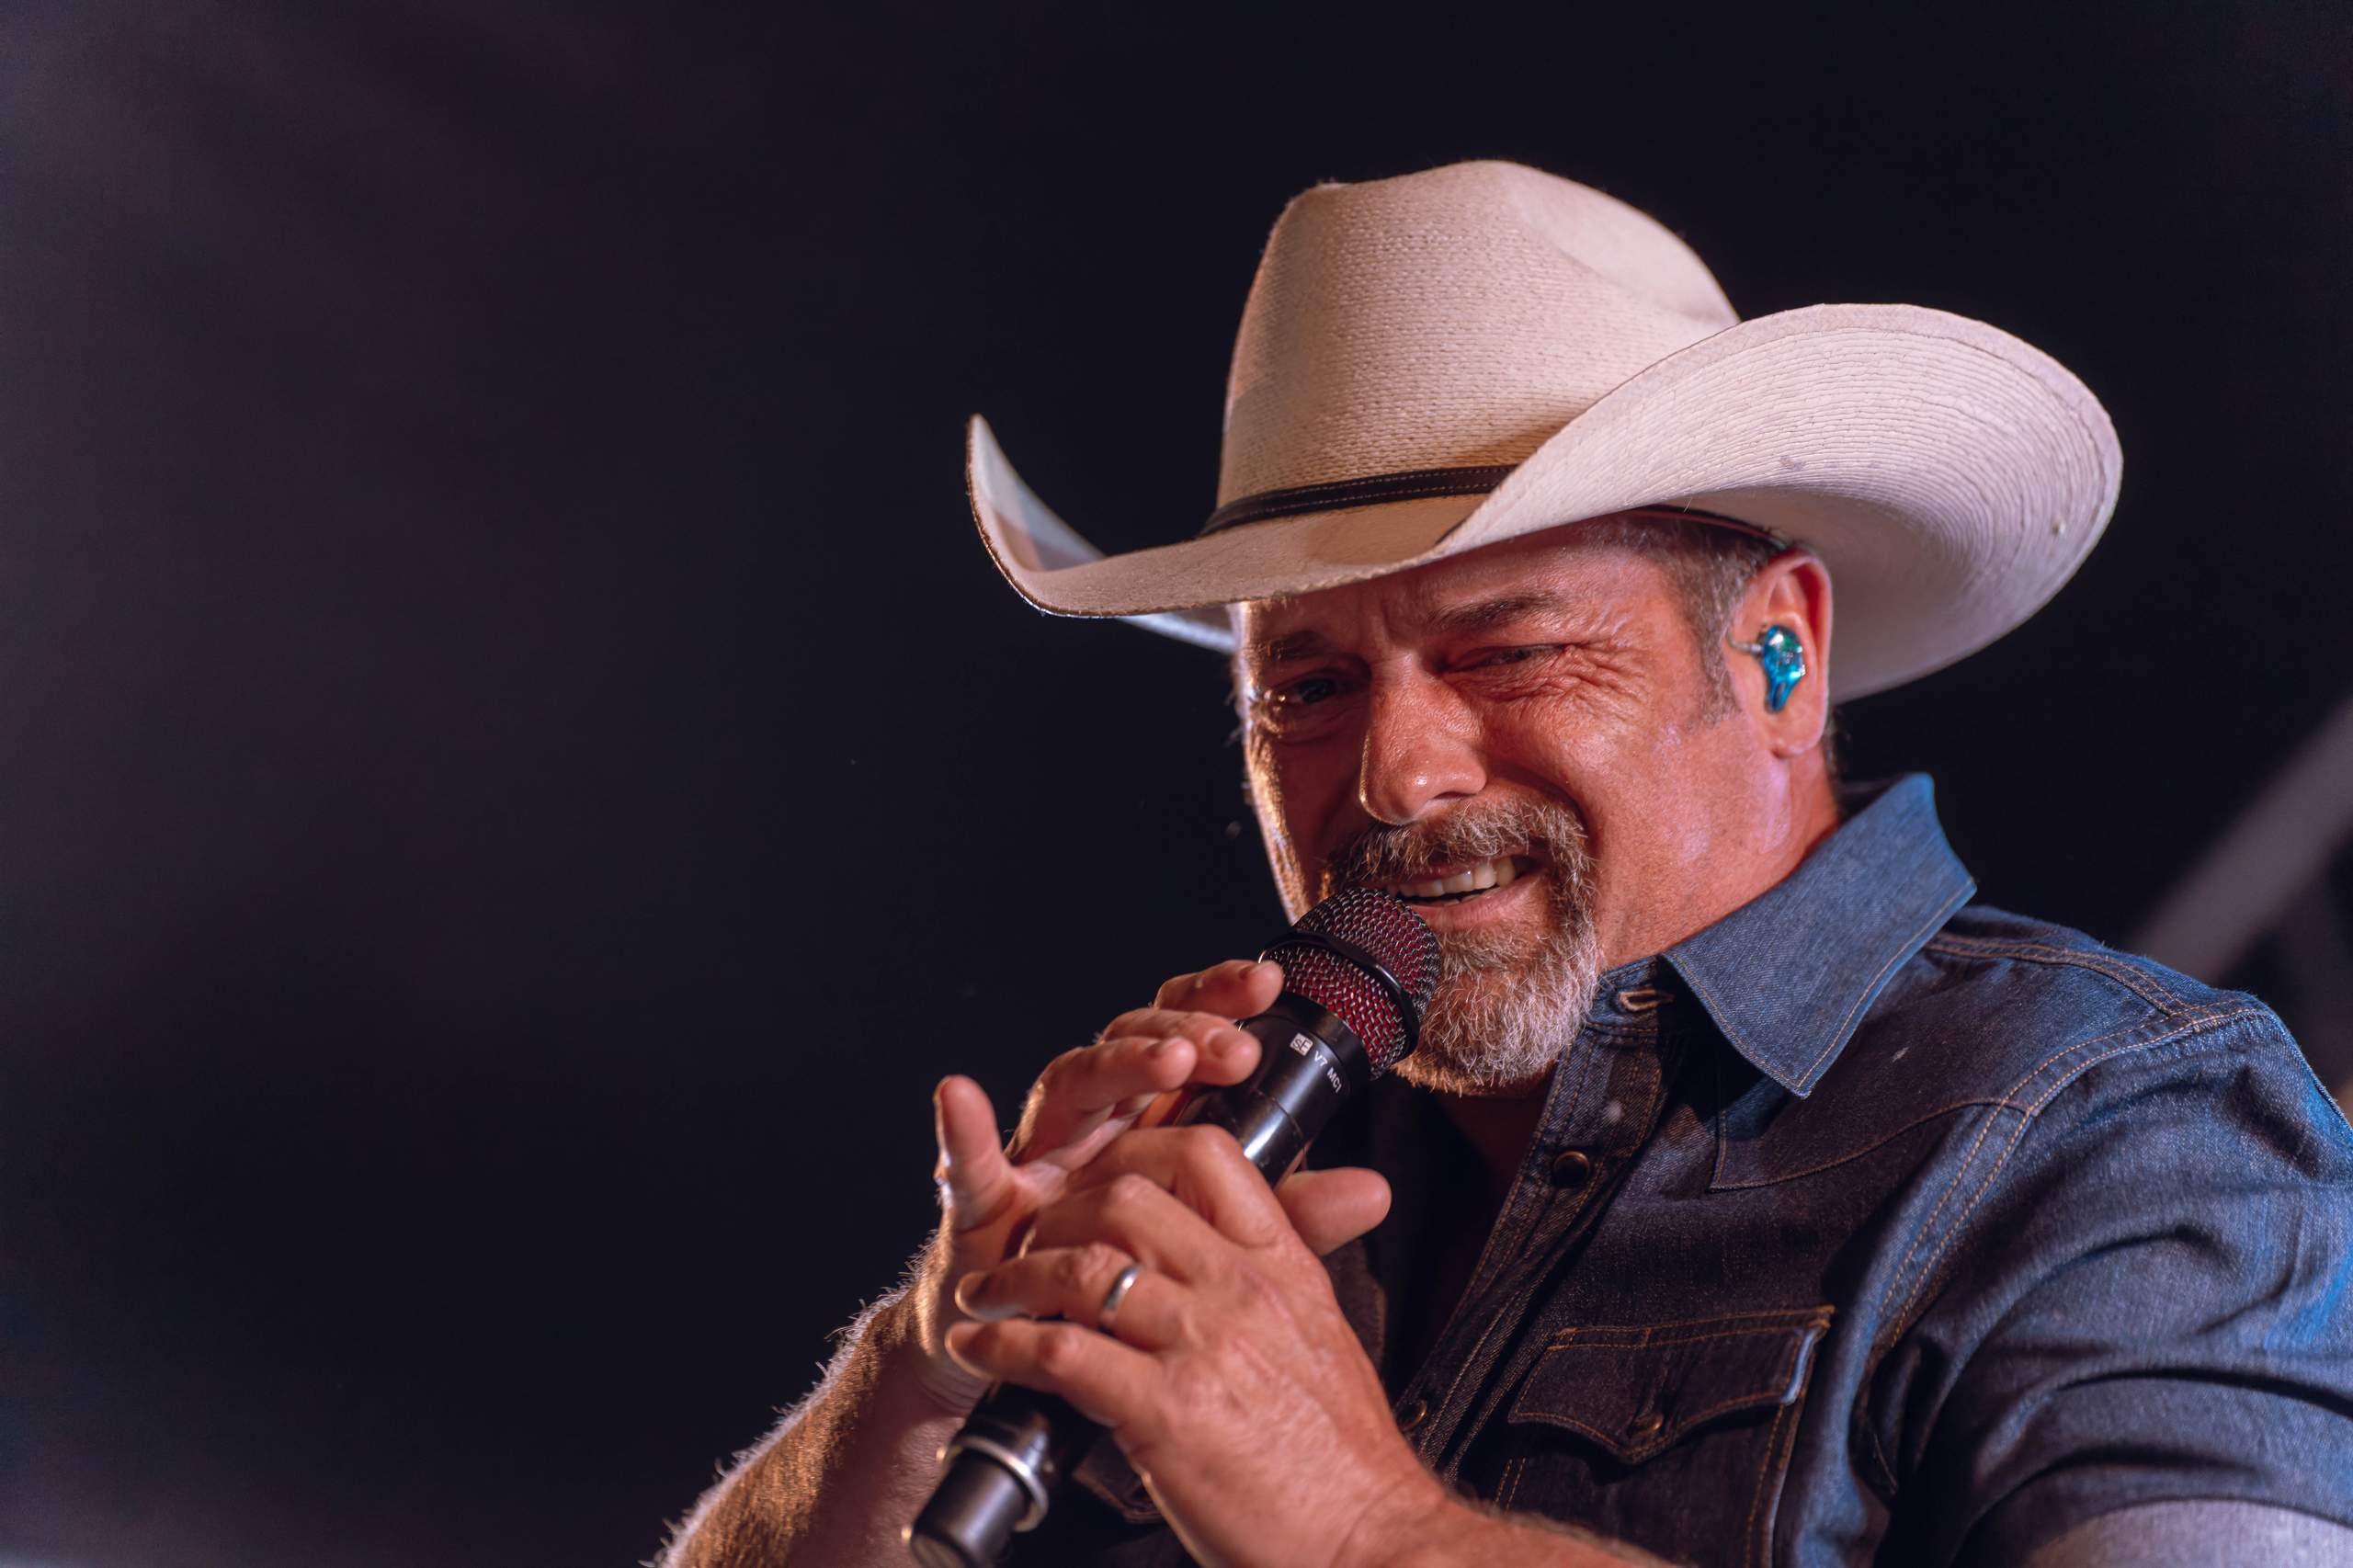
(1639, 1390)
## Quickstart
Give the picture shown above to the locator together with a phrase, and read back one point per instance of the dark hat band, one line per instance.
(1336, 494)
(1412, 485)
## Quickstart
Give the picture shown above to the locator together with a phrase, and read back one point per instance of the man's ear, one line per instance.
(1791, 591)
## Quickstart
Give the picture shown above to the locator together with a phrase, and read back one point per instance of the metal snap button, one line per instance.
(1644, 1424)
(1412, 1416)
(1572, 1167)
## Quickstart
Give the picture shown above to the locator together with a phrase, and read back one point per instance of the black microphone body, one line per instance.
(1003, 1467)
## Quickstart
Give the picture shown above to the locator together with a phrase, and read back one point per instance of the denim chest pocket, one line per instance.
(1674, 1438)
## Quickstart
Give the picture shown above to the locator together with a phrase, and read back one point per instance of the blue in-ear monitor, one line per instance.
(1783, 656)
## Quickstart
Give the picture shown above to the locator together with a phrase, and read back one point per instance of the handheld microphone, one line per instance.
(1358, 969)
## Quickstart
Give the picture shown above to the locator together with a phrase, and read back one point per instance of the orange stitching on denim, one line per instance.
(2185, 1023)
(2026, 1121)
(1900, 1319)
(1929, 1224)
(2134, 980)
(2010, 1096)
(1785, 1371)
(1743, 1402)
(1764, 1317)
(1510, 1487)
(1779, 1441)
(1720, 1185)
(1571, 1424)
(1759, 1551)
(1613, 1342)
(2192, 1027)
(1927, 1227)
(2008, 1102)
(1669, 1436)
(2122, 974)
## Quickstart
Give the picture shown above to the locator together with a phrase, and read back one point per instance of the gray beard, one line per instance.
(1507, 1004)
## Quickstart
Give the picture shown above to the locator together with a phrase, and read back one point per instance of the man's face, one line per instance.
(1516, 742)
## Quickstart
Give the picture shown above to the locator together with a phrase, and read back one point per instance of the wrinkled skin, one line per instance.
(1545, 669)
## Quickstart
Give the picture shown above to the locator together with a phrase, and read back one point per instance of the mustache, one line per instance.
(1554, 831)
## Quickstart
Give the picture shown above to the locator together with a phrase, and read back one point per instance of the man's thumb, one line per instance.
(1331, 1208)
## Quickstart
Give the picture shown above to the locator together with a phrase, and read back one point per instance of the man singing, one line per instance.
(1753, 1196)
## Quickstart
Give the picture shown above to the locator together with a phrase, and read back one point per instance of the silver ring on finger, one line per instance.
(1107, 1317)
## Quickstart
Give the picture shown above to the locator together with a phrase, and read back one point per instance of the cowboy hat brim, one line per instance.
(1950, 476)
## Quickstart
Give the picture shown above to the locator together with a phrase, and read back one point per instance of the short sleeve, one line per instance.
(2150, 1305)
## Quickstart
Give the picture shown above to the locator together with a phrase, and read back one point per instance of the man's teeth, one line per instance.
(1496, 873)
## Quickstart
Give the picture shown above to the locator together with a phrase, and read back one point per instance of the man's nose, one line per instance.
(1419, 750)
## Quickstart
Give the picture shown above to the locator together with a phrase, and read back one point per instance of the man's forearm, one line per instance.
(840, 1475)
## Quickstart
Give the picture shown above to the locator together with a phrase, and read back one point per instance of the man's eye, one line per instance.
(1533, 652)
(1298, 707)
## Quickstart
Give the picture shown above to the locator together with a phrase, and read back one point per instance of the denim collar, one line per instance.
(1788, 975)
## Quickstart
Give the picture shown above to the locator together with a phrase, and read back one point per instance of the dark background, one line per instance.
(515, 776)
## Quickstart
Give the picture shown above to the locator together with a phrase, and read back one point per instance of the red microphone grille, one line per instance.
(1392, 936)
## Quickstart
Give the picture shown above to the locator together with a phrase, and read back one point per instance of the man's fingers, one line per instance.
(1330, 1209)
(1205, 1169)
(1238, 988)
(1143, 1055)
(1112, 1384)
(1226, 1053)
(973, 1172)
(1188, 1038)
(1138, 1217)
(1081, 1089)
(1073, 1283)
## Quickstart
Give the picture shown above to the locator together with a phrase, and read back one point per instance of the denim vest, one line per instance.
(1865, 1225)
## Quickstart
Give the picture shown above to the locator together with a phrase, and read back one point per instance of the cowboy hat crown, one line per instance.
(1456, 357)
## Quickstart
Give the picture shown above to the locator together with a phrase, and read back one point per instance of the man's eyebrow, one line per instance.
(1288, 646)
(1477, 616)
(1487, 613)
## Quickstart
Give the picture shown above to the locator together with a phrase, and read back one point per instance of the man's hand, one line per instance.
(1084, 1100)
(1255, 1347)
(1235, 1386)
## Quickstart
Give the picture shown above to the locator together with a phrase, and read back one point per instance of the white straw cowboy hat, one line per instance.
(1456, 357)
